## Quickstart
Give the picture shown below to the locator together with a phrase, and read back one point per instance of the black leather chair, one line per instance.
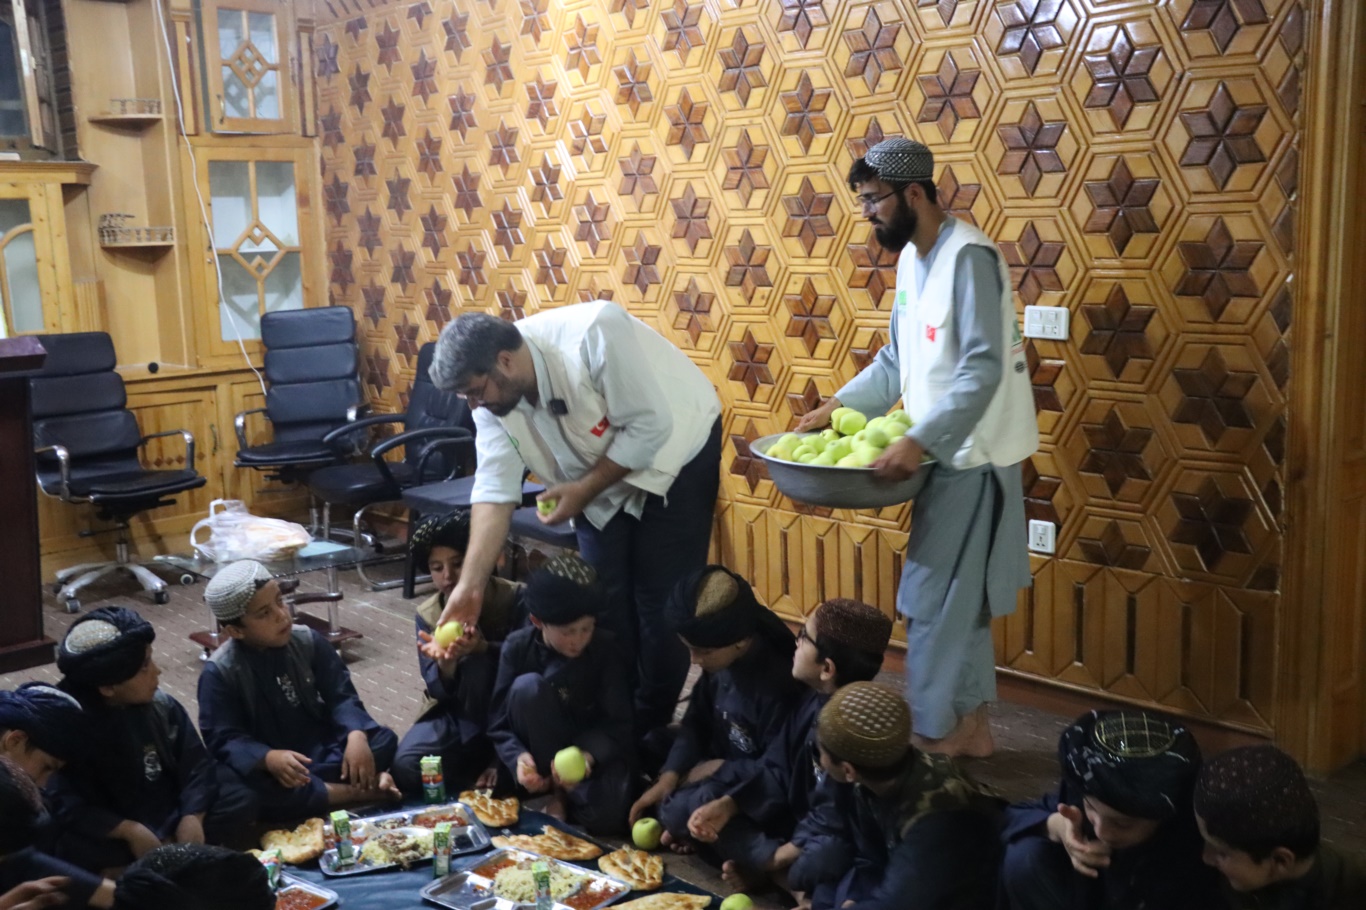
(437, 442)
(313, 388)
(88, 444)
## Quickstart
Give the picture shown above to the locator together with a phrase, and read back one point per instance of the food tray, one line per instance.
(468, 835)
(290, 883)
(327, 863)
(835, 487)
(466, 889)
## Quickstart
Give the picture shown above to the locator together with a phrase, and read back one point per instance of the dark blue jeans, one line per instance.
(639, 560)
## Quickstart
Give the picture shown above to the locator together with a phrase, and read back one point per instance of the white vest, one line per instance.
(1008, 432)
(558, 335)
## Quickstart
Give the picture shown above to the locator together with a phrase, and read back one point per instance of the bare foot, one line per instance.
(681, 847)
(740, 878)
(971, 738)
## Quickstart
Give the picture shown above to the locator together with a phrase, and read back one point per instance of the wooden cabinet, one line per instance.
(249, 66)
(36, 292)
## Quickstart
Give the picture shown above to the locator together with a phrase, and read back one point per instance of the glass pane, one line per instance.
(285, 285)
(236, 98)
(276, 200)
(230, 196)
(12, 119)
(21, 271)
(13, 212)
(262, 27)
(239, 312)
(268, 96)
(231, 32)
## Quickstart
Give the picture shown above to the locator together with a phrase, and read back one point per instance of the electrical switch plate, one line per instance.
(1042, 536)
(1046, 322)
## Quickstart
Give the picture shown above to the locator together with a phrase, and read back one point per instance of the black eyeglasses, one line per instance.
(803, 636)
(867, 200)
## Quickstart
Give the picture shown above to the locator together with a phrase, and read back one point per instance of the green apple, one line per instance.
(449, 633)
(570, 766)
(851, 423)
(808, 457)
(842, 447)
(737, 902)
(791, 440)
(875, 437)
(876, 423)
(830, 434)
(848, 461)
(900, 414)
(836, 414)
(546, 506)
(816, 442)
(645, 834)
(802, 450)
(824, 458)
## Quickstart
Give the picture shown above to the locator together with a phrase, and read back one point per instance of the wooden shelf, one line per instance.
(145, 244)
(133, 120)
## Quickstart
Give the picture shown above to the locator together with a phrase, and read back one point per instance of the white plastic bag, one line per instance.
(234, 533)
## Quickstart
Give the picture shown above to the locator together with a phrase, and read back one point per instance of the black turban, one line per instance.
(195, 877)
(1143, 765)
(104, 647)
(50, 717)
(564, 590)
(21, 806)
(449, 530)
(713, 607)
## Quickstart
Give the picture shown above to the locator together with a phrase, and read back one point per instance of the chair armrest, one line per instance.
(353, 424)
(239, 424)
(189, 443)
(402, 439)
(63, 465)
(321, 597)
(440, 445)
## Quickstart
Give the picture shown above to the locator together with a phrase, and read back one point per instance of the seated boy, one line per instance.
(143, 777)
(195, 877)
(1260, 823)
(277, 706)
(562, 683)
(916, 832)
(453, 720)
(737, 707)
(1119, 834)
(842, 641)
(40, 729)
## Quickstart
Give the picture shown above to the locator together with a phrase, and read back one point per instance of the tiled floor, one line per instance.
(384, 667)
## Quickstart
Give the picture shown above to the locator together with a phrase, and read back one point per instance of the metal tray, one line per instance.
(327, 863)
(463, 889)
(288, 881)
(471, 837)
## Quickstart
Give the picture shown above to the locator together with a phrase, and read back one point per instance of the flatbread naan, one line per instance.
(302, 844)
(554, 843)
(642, 871)
(666, 900)
(496, 812)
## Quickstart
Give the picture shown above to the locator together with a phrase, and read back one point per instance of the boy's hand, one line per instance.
(528, 776)
(45, 892)
(290, 769)
(488, 779)
(709, 819)
(358, 762)
(137, 836)
(190, 830)
(704, 770)
(587, 773)
(446, 658)
(1066, 827)
(667, 783)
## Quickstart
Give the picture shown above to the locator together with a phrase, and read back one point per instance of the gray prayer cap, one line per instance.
(899, 160)
(233, 587)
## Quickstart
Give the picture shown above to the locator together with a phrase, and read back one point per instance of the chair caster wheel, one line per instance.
(72, 605)
(187, 579)
(57, 587)
(161, 597)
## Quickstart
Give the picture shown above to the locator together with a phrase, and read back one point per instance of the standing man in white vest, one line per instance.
(625, 432)
(956, 360)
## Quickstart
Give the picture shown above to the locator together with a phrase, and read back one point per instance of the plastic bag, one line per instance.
(234, 533)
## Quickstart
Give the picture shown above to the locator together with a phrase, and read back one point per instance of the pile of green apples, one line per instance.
(851, 441)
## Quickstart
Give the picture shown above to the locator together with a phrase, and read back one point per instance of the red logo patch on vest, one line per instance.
(601, 427)
(929, 333)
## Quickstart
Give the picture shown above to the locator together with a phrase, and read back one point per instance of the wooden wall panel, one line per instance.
(1137, 163)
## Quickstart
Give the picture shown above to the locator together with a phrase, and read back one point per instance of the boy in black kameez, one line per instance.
(561, 682)
(277, 706)
(453, 720)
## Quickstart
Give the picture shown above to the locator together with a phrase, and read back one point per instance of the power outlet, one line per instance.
(1042, 536)
(1046, 322)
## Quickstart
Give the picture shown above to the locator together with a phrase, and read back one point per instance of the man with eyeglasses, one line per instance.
(956, 360)
(625, 432)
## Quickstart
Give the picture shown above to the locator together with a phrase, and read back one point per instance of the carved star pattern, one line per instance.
(511, 304)
(864, 356)
(1223, 136)
(1218, 268)
(687, 123)
(945, 8)
(748, 266)
(582, 49)
(593, 228)
(457, 34)
(355, 26)
(1120, 205)
(750, 363)
(503, 147)
(467, 192)
(438, 304)
(641, 264)
(359, 83)
(1030, 29)
(424, 77)
(1213, 397)
(419, 12)
(369, 224)
(377, 371)
(690, 219)
(406, 335)
(872, 49)
(1212, 523)
(1033, 264)
(633, 83)
(373, 297)
(874, 269)
(948, 96)
(365, 160)
(810, 320)
(341, 274)
(681, 30)
(402, 260)
(1044, 373)
(745, 168)
(805, 108)
(858, 146)
(587, 133)
(740, 67)
(958, 198)
(1110, 548)
(1031, 148)
(329, 125)
(1121, 76)
(507, 229)
(803, 402)
(470, 268)
(746, 464)
(398, 195)
(694, 310)
(335, 194)
(327, 58)
(808, 215)
(429, 155)
(629, 8)
(497, 68)
(589, 292)
(535, 20)
(545, 179)
(434, 231)
(1223, 19)
(1039, 490)
(637, 175)
(801, 18)
(550, 266)
(393, 121)
(541, 105)
(1119, 330)
(1115, 451)
(387, 42)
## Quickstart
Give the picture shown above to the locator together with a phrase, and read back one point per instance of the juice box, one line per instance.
(540, 874)
(433, 782)
(271, 860)
(441, 850)
(341, 826)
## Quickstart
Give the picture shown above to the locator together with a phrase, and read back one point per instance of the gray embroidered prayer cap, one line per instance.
(229, 591)
(899, 160)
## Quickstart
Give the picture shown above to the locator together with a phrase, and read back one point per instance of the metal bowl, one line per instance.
(838, 488)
